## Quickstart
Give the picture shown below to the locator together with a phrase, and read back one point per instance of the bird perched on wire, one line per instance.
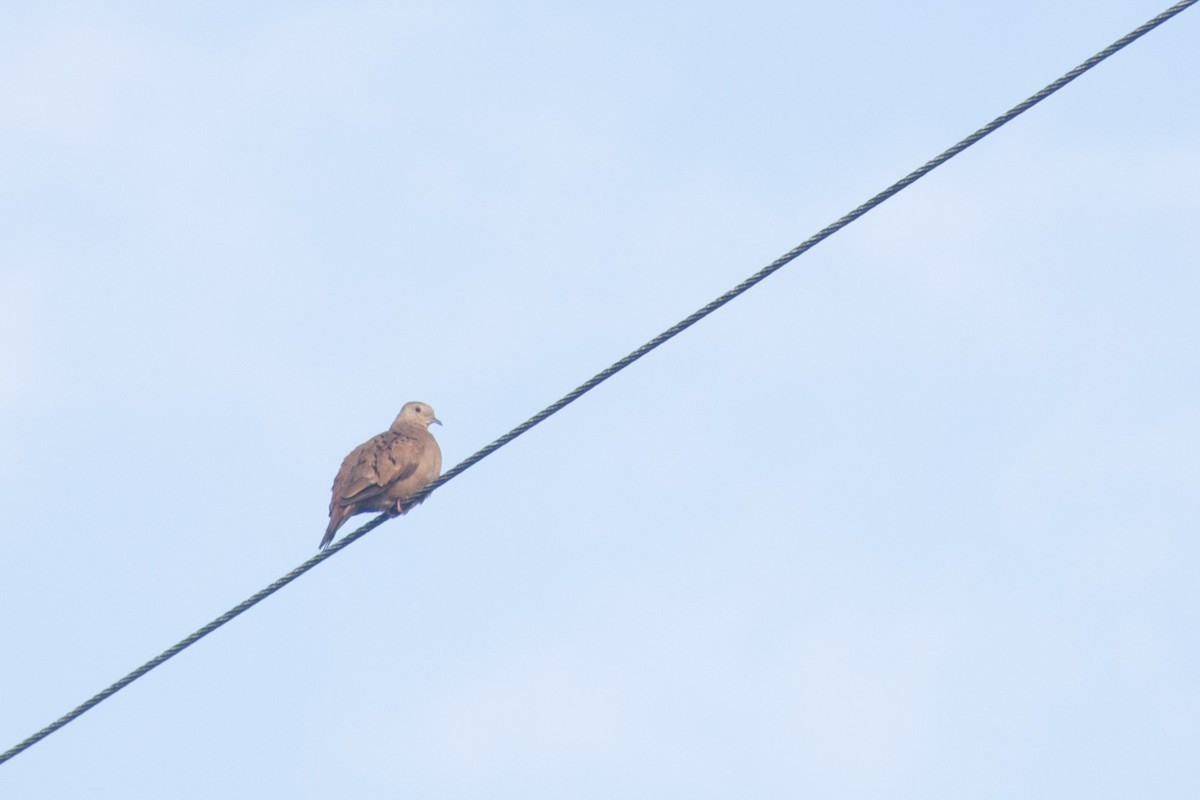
(383, 472)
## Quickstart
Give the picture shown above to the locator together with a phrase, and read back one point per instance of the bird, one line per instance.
(384, 471)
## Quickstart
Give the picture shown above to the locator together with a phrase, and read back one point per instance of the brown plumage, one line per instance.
(382, 473)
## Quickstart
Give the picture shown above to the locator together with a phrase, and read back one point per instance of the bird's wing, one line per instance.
(375, 465)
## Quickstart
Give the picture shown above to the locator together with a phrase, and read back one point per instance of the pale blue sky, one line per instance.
(916, 518)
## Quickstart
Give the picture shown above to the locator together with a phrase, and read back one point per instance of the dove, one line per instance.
(384, 471)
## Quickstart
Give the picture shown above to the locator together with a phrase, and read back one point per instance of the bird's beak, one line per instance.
(435, 419)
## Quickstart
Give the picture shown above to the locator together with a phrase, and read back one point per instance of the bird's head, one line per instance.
(416, 414)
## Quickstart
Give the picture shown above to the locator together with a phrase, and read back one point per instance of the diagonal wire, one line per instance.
(607, 373)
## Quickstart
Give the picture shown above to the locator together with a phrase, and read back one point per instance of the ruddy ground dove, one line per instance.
(383, 472)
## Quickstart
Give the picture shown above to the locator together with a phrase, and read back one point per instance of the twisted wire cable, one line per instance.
(608, 372)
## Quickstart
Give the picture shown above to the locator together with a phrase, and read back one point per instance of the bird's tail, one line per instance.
(335, 522)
